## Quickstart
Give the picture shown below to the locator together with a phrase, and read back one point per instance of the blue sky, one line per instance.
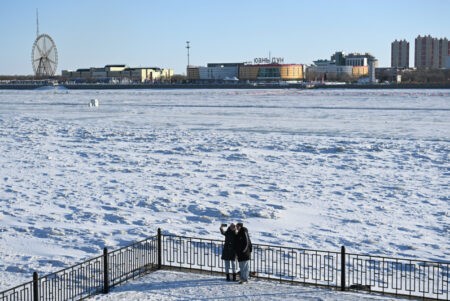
(153, 33)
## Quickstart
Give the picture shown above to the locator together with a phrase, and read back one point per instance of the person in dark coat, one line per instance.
(229, 250)
(243, 252)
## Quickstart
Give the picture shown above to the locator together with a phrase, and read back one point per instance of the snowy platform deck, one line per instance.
(175, 285)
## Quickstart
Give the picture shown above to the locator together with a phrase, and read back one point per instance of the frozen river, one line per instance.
(315, 169)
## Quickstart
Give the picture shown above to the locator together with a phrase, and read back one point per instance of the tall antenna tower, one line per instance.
(37, 22)
(188, 47)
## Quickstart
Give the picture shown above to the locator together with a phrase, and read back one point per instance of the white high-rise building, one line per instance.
(400, 54)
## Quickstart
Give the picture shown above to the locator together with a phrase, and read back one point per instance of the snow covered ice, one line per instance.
(305, 168)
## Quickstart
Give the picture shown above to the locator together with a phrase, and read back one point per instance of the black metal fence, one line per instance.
(338, 270)
(399, 276)
(132, 261)
(91, 277)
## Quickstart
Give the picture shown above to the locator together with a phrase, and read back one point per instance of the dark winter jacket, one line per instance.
(229, 247)
(243, 245)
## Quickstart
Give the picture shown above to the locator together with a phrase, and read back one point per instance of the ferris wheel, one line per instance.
(44, 56)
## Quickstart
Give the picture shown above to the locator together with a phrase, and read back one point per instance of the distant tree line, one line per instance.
(433, 76)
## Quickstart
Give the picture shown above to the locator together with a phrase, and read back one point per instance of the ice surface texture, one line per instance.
(316, 169)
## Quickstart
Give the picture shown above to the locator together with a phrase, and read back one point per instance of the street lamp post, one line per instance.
(188, 47)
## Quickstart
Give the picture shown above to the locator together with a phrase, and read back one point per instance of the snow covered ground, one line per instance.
(170, 285)
(315, 169)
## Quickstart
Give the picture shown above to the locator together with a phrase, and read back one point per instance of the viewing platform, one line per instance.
(276, 273)
(176, 285)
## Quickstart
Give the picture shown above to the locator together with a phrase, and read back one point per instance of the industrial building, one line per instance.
(119, 73)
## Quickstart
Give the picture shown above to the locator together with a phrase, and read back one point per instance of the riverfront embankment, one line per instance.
(224, 86)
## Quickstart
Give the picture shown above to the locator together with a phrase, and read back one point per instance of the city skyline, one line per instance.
(155, 34)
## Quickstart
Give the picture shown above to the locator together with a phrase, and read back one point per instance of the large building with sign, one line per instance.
(271, 72)
(263, 69)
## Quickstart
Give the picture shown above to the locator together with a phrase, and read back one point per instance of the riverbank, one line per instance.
(223, 86)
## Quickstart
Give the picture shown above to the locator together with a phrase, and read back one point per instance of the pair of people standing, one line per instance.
(237, 245)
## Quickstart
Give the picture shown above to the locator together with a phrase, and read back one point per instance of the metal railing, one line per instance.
(90, 277)
(270, 262)
(132, 261)
(397, 276)
(338, 270)
(20, 292)
(76, 282)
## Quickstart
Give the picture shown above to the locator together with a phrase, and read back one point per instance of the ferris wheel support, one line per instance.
(44, 56)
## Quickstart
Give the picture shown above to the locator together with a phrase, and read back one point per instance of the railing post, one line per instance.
(159, 249)
(35, 286)
(105, 271)
(342, 268)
